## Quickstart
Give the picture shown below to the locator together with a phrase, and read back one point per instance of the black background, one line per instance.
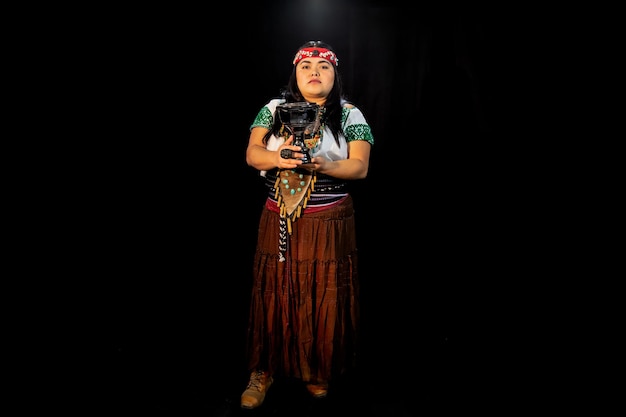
(173, 208)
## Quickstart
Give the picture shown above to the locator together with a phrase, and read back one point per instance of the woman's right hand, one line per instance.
(288, 161)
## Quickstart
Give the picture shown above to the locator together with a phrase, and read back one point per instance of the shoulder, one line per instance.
(351, 113)
(346, 104)
(265, 116)
(355, 125)
(272, 104)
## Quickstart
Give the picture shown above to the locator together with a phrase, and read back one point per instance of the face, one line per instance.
(315, 77)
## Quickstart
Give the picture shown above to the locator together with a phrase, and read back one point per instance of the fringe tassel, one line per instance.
(287, 220)
(282, 243)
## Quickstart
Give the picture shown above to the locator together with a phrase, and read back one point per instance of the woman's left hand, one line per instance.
(317, 163)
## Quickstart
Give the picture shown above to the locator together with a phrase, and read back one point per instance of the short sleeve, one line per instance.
(355, 127)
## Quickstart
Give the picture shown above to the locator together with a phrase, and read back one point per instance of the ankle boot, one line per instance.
(317, 389)
(255, 392)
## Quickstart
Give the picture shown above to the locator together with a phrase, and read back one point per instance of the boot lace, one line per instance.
(256, 381)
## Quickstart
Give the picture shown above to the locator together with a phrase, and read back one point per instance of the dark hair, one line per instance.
(331, 115)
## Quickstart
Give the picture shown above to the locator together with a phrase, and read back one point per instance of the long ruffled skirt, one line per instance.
(304, 312)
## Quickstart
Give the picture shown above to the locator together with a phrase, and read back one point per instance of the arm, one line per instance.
(259, 157)
(353, 168)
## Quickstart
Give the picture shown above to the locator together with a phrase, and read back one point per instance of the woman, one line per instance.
(304, 311)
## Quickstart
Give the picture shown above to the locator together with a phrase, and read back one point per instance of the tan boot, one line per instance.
(255, 392)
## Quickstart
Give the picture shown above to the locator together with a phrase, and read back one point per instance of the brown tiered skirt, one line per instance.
(304, 312)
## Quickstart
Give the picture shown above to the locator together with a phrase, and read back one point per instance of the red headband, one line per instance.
(315, 52)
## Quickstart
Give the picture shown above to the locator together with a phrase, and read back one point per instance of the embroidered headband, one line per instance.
(315, 52)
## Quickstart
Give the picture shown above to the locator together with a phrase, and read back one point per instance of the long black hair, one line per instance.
(331, 113)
